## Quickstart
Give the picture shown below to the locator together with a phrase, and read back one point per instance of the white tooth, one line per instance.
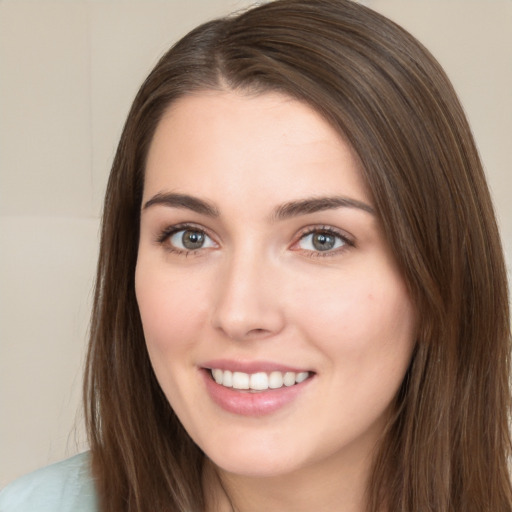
(289, 378)
(240, 380)
(227, 379)
(275, 380)
(217, 375)
(301, 377)
(259, 381)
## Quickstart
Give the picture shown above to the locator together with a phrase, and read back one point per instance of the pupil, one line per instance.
(323, 241)
(193, 239)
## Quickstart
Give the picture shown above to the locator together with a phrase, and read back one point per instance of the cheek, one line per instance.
(170, 309)
(367, 319)
(171, 319)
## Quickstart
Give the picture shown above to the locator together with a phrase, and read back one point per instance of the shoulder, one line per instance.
(65, 486)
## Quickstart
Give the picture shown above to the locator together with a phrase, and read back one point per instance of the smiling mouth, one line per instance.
(260, 381)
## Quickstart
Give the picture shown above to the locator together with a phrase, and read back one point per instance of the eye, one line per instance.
(190, 239)
(322, 240)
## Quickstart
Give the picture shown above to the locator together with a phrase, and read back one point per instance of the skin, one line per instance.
(259, 289)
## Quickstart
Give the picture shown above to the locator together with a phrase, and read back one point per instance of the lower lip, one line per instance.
(246, 403)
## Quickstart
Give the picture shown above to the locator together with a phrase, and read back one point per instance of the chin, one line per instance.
(254, 459)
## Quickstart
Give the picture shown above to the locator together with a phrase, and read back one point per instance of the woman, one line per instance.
(301, 299)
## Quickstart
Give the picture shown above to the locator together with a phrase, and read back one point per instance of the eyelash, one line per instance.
(164, 236)
(347, 242)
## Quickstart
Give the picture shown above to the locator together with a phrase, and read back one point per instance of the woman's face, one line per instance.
(276, 320)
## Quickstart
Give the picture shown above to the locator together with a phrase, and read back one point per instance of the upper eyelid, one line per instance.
(175, 228)
(328, 229)
(347, 239)
(162, 236)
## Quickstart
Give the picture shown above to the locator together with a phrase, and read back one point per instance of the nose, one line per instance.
(247, 304)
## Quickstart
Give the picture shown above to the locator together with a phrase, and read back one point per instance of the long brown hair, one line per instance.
(446, 448)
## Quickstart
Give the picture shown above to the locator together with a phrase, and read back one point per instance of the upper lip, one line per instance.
(250, 366)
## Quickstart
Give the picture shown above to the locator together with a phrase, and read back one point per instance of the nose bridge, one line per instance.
(247, 305)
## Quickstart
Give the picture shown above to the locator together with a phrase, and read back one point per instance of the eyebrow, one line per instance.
(317, 204)
(183, 201)
(282, 212)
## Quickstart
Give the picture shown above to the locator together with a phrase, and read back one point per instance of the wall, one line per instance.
(68, 72)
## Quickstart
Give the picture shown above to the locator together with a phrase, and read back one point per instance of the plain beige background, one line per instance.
(68, 72)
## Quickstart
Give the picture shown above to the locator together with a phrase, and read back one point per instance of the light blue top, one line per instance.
(66, 486)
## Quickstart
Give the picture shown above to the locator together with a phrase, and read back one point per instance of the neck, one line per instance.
(326, 487)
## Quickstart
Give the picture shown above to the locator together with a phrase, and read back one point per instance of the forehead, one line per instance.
(230, 142)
